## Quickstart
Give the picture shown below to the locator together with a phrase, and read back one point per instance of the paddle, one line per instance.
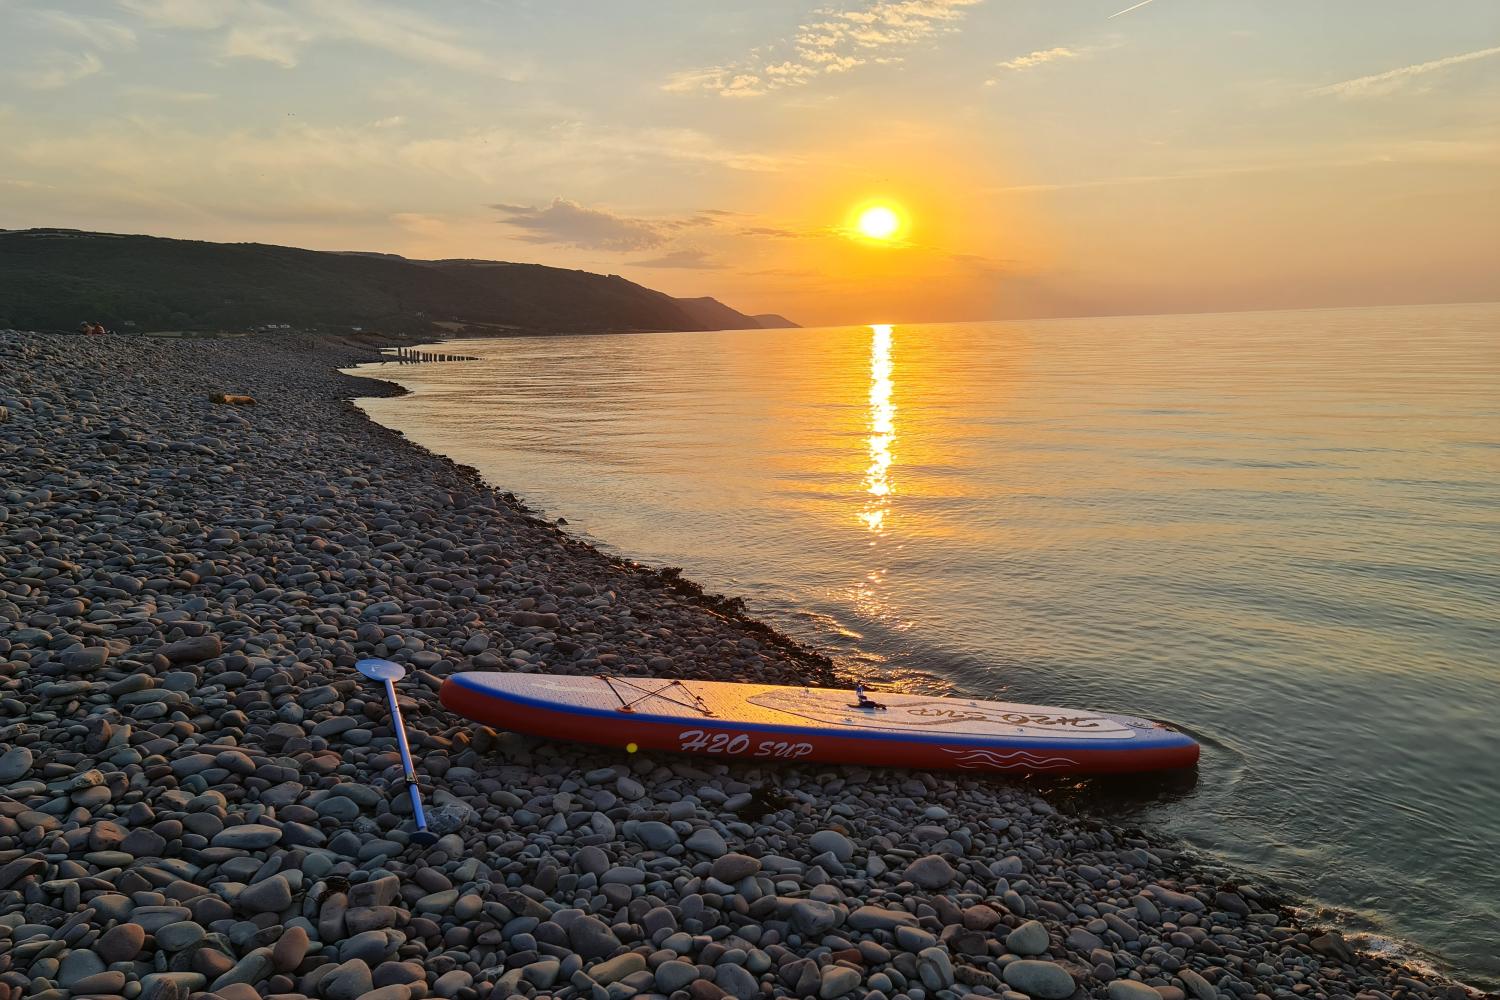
(390, 673)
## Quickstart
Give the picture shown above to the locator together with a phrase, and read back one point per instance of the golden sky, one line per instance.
(1044, 158)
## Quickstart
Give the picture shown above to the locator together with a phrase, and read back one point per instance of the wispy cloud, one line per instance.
(571, 224)
(563, 222)
(280, 32)
(1481, 149)
(97, 32)
(160, 156)
(726, 80)
(85, 36)
(690, 258)
(1040, 58)
(835, 42)
(775, 232)
(576, 146)
(58, 69)
(168, 95)
(692, 146)
(568, 223)
(21, 184)
(194, 14)
(1380, 84)
(272, 41)
(1132, 179)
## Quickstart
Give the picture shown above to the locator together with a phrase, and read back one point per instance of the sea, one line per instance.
(1278, 530)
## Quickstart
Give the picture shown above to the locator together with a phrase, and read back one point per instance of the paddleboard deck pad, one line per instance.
(775, 723)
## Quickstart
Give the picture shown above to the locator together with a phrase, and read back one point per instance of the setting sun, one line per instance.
(878, 222)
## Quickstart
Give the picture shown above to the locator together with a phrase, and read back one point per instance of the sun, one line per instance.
(878, 222)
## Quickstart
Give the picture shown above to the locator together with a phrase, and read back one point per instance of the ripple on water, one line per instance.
(1275, 529)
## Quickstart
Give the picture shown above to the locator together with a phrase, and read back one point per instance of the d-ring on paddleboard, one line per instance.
(390, 673)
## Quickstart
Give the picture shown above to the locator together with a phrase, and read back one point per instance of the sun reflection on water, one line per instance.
(877, 481)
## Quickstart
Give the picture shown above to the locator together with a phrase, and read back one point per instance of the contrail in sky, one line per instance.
(1127, 10)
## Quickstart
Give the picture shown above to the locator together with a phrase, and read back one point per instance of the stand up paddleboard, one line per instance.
(768, 722)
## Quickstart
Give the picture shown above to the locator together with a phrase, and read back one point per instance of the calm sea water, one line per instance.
(1280, 530)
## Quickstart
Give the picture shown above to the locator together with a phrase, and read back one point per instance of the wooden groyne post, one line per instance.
(410, 355)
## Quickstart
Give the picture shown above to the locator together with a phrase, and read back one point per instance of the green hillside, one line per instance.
(55, 279)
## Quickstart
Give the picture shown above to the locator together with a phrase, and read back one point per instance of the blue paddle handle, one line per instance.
(406, 764)
(416, 803)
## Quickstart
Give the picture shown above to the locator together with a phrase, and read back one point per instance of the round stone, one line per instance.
(1028, 939)
(1041, 980)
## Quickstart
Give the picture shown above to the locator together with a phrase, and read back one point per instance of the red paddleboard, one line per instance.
(769, 722)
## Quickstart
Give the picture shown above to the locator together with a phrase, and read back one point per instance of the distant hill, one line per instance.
(57, 278)
(715, 315)
(774, 321)
(711, 314)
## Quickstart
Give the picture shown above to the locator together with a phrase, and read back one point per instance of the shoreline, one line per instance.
(190, 584)
(668, 577)
(1132, 798)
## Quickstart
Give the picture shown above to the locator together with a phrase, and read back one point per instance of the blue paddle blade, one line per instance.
(380, 670)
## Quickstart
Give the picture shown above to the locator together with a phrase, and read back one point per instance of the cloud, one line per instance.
(86, 37)
(154, 172)
(158, 152)
(96, 32)
(705, 217)
(783, 272)
(403, 32)
(1393, 80)
(571, 224)
(583, 146)
(692, 146)
(1058, 53)
(190, 14)
(1482, 149)
(279, 32)
(688, 258)
(278, 42)
(837, 42)
(568, 223)
(58, 69)
(168, 95)
(772, 232)
(1041, 57)
(727, 81)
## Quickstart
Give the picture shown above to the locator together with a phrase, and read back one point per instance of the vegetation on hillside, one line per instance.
(56, 279)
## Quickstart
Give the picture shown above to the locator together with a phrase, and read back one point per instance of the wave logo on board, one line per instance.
(1018, 760)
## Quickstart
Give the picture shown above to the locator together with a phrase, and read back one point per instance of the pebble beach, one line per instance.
(201, 797)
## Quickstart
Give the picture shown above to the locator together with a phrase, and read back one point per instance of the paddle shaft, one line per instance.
(410, 769)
